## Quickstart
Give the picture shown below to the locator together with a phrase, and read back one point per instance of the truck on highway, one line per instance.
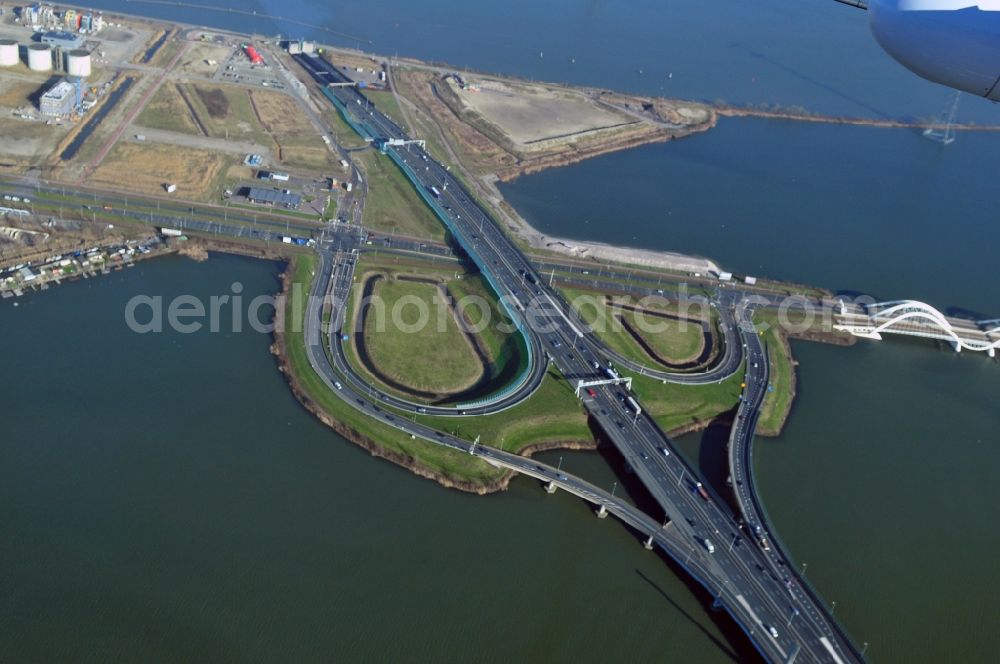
(708, 545)
(633, 405)
(700, 488)
(435, 192)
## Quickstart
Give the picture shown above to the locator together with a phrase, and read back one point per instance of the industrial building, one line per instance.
(60, 99)
(62, 39)
(40, 57)
(274, 197)
(78, 63)
(8, 53)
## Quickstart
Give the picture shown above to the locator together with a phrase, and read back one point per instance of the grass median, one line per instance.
(393, 205)
(778, 401)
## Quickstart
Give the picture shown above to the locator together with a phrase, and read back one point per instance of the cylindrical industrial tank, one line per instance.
(78, 63)
(39, 57)
(8, 52)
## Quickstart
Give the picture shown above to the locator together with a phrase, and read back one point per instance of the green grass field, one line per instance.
(676, 406)
(502, 346)
(501, 342)
(386, 102)
(393, 205)
(414, 339)
(675, 342)
(778, 402)
(552, 414)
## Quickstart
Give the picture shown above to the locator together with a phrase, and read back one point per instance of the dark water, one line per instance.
(882, 211)
(165, 498)
(883, 484)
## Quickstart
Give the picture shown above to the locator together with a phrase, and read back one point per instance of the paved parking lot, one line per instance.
(237, 69)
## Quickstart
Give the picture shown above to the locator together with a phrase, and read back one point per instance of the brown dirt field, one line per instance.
(304, 156)
(477, 151)
(531, 113)
(215, 100)
(485, 149)
(280, 114)
(146, 168)
(296, 138)
(193, 63)
(168, 110)
(29, 141)
(15, 93)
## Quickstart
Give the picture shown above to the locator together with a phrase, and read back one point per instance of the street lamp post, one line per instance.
(805, 566)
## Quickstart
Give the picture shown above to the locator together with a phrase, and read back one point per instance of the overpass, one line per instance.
(757, 600)
(917, 319)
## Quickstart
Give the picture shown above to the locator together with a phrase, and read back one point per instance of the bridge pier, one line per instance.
(603, 512)
(550, 487)
(717, 604)
(992, 352)
(648, 544)
(957, 346)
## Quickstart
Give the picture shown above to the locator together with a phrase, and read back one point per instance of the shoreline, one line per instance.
(198, 248)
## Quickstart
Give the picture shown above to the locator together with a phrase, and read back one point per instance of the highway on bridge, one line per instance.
(782, 625)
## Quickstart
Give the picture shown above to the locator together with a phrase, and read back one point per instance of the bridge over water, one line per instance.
(917, 319)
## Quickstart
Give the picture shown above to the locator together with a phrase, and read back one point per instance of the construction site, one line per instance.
(129, 104)
(122, 104)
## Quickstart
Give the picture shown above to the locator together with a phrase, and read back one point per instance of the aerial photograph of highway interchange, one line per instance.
(366, 248)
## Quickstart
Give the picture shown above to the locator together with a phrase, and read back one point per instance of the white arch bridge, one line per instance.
(916, 319)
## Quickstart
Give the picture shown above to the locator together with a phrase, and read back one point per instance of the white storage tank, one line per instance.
(40, 57)
(78, 63)
(8, 53)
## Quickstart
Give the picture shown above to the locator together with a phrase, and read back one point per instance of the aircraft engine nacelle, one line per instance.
(952, 42)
